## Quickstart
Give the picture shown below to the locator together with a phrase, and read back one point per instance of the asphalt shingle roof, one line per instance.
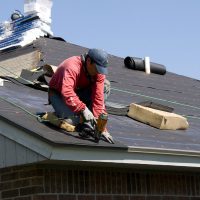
(181, 93)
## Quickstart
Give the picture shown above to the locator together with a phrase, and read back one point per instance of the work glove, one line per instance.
(106, 135)
(87, 115)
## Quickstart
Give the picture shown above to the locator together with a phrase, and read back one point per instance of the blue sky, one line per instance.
(168, 31)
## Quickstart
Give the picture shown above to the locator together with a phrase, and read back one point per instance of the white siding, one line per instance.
(13, 154)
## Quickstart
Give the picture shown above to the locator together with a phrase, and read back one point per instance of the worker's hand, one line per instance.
(107, 137)
(87, 115)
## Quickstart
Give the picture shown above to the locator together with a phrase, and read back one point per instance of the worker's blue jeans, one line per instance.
(62, 110)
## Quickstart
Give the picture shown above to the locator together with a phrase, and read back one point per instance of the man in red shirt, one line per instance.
(78, 87)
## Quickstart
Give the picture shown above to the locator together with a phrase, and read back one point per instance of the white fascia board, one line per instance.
(137, 156)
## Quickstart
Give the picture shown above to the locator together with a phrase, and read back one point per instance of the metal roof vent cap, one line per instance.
(16, 15)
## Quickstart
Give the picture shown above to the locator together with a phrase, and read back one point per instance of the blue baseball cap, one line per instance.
(100, 57)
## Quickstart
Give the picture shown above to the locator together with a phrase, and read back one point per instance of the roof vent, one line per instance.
(136, 63)
(16, 15)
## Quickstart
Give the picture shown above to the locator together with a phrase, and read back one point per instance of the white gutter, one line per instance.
(131, 157)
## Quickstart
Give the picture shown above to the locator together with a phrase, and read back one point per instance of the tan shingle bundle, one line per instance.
(157, 118)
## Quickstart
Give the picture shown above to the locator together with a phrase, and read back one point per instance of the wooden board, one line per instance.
(157, 118)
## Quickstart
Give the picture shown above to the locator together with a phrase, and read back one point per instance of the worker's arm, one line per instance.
(68, 91)
(98, 105)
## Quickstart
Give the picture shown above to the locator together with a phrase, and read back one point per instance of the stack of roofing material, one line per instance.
(25, 29)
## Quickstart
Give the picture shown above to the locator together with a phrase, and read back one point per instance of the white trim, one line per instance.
(164, 151)
(138, 157)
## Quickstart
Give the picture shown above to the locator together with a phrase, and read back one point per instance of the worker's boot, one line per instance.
(66, 126)
(54, 120)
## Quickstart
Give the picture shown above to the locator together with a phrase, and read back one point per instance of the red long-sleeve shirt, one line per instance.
(71, 76)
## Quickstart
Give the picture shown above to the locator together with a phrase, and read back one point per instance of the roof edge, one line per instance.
(125, 157)
(133, 156)
(174, 152)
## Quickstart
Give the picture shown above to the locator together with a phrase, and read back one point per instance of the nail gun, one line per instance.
(96, 129)
(100, 126)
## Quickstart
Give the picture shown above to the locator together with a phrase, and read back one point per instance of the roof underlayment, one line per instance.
(135, 142)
